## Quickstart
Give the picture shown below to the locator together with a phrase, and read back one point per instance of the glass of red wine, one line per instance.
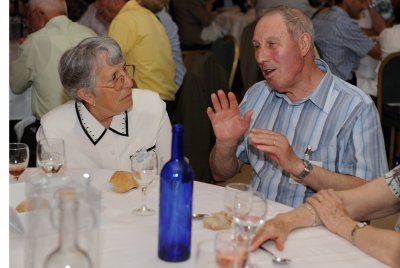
(19, 159)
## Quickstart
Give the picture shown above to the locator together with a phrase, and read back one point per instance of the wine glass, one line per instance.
(18, 159)
(144, 167)
(249, 214)
(231, 189)
(50, 155)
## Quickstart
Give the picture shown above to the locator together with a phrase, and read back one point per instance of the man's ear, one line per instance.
(305, 43)
(87, 96)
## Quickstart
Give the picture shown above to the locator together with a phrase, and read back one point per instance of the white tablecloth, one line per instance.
(233, 21)
(129, 240)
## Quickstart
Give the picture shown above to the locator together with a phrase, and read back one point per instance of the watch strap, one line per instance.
(307, 169)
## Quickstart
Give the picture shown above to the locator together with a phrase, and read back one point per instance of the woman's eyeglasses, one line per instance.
(119, 79)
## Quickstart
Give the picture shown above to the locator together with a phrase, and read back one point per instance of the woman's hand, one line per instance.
(331, 212)
(276, 229)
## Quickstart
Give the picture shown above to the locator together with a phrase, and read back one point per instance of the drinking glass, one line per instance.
(144, 167)
(50, 155)
(231, 189)
(249, 214)
(18, 159)
(230, 250)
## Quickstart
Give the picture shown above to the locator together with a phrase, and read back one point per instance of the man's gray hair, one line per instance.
(78, 65)
(296, 21)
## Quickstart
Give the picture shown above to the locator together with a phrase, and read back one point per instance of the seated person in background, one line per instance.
(341, 42)
(145, 44)
(367, 73)
(299, 105)
(108, 121)
(51, 33)
(192, 16)
(158, 8)
(92, 19)
(339, 212)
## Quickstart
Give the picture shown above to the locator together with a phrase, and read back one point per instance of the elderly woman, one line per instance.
(108, 121)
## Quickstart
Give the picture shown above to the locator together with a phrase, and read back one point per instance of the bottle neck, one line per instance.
(68, 224)
(177, 144)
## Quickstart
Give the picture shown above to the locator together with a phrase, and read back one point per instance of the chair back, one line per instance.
(316, 51)
(249, 70)
(19, 128)
(389, 83)
(226, 51)
(388, 100)
(194, 96)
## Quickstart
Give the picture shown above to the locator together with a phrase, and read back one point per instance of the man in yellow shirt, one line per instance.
(145, 44)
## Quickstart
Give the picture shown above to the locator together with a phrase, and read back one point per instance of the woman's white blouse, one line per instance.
(89, 145)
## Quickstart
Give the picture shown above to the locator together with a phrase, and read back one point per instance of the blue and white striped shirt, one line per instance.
(338, 120)
(340, 41)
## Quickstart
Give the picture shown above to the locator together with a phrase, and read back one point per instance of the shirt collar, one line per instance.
(320, 94)
(94, 130)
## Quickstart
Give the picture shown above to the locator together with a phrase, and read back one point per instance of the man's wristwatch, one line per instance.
(307, 169)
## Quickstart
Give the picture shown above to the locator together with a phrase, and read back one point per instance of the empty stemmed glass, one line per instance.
(50, 155)
(144, 167)
(249, 214)
(18, 159)
(231, 189)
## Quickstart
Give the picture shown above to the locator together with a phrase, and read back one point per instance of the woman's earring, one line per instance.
(94, 104)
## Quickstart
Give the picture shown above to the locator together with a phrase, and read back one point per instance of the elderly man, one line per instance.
(298, 126)
(145, 43)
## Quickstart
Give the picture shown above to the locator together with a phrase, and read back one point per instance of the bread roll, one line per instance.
(123, 181)
(28, 204)
(218, 221)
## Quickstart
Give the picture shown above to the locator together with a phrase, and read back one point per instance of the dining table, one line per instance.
(233, 21)
(131, 240)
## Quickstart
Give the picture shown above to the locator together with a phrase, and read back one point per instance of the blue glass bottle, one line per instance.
(175, 213)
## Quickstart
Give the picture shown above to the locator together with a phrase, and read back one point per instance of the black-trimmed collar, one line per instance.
(94, 130)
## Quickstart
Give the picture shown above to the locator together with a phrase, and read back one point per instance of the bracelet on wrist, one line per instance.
(359, 225)
(312, 210)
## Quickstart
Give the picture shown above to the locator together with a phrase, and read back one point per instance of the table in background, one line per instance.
(129, 240)
(233, 21)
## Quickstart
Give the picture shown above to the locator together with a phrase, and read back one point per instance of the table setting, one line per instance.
(128, 239)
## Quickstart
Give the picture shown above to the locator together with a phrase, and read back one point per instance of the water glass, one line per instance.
(230, 250)
(231, 189)
(50, 155)
(144, 168)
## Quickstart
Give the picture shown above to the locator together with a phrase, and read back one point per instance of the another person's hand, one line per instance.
(275, 229)
(331, 211)
(276, 147)
(227, 123)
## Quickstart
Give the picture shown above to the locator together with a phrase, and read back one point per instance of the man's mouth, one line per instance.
(267, 72)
